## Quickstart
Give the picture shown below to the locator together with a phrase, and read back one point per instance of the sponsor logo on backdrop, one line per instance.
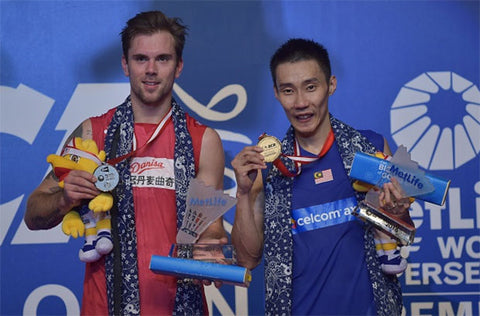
(437, 117)
(433, 146)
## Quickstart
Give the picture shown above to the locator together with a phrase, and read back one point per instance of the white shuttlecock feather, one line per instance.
(204, 205)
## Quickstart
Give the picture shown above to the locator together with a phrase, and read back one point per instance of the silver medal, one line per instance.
(107, 177)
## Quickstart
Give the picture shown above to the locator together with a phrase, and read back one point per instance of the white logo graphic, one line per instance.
(30, 104)
(432, 147)
(66, 295)
(33, 107)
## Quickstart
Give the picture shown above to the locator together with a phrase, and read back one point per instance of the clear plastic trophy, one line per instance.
(190, 260)
(394, 220)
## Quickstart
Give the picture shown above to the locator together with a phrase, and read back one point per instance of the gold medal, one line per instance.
(272, 148)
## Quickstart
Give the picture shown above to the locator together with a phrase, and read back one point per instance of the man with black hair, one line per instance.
(319, 259)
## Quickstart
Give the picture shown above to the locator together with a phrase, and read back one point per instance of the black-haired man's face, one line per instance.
(303, 91)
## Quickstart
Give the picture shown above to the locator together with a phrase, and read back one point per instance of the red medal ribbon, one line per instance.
(299, 160)
(155, 133)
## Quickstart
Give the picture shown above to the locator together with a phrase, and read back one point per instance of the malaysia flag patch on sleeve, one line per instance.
(323, 176)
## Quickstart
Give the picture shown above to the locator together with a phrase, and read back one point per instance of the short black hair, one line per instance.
(298, 49)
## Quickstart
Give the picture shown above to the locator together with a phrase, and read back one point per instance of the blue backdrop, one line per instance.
(407, 69)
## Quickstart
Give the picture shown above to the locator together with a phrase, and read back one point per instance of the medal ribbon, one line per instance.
(156, 132)
(299, 160)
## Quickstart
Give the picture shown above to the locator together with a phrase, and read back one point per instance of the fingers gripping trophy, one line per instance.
(393, 184)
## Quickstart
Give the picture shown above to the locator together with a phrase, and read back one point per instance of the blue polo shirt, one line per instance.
(330, 276)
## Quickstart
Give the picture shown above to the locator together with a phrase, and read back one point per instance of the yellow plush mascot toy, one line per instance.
(92, 220)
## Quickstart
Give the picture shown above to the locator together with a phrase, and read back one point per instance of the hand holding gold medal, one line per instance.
(272, 147)
(272, 150)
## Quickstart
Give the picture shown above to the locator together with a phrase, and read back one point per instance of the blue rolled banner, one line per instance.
(377, 171)
(189, 268)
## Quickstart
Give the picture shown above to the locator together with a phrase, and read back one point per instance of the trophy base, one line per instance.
(398, 229)
(217, 253)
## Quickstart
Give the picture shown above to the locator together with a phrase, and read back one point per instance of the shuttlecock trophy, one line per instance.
(188, 259)
(414, 182)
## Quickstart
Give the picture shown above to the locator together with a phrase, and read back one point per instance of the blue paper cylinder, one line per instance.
(189, 268)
